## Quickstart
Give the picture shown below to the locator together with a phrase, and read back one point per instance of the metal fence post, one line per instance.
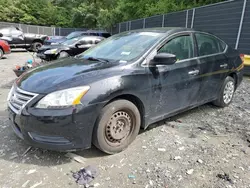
(59, 31)
(144, 21)
(192, 24)
(163, 20)
(129, 26)
(119, 27)
(241, 22)
(187, 19)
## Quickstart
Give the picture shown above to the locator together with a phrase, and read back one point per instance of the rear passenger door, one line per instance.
(213, 63)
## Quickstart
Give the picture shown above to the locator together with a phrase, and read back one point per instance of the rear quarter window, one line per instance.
(208, 44)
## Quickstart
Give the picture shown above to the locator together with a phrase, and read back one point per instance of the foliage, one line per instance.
(88, 13)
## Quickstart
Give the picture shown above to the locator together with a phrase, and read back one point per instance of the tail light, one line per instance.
(242, 57)
(48, 38)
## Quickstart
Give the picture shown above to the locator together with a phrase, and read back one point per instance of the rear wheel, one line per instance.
(226, 94)
(117, 126)
(63, 55)
(35, 46)
(1, 53)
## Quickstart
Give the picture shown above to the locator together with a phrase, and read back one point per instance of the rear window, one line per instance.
(208, 44)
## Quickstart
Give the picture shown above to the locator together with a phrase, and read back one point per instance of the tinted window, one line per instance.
(181, 46)
(106, 35)
(207, 44)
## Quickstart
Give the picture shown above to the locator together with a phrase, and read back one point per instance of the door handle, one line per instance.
(223, 65)
(194, 72)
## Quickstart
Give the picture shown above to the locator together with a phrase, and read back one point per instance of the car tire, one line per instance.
(117, 126)
(35, 46)
(1, 53)
(63, 55)
(226, 94)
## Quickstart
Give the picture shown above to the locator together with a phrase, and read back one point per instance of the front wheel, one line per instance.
(63, 55)
(117, 126)
(226, 94)
(35, 46)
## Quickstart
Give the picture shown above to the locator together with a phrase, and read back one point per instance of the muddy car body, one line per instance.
(127, 82)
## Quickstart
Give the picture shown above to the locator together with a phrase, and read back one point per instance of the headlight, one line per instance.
(54, 51)
(63, 98)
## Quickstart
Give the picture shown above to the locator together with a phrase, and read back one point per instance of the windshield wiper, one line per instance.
(97, 59)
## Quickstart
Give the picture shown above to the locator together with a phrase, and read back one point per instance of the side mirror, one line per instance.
(163, 59)
(1, 35)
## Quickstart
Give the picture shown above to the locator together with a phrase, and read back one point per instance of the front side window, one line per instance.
(181, 46)
(207, 44)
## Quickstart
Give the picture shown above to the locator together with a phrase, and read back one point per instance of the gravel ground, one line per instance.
(204, 147)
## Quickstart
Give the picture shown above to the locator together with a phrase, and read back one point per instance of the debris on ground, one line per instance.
(26, 151)
(200, 161)
(31, 171)
(177, 158)
(131, 176)
(85, 175)
(36, 185)
(76, 157)
(162, 149)
(189, 172)
(225, 176)
(26, 183)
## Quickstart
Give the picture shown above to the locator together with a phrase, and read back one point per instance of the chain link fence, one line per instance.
(30, 28)
(230, 20)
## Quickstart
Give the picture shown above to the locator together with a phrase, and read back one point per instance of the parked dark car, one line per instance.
(4, 48)
(127, 82)
(28, 41)
(68, 48)
(75, 34)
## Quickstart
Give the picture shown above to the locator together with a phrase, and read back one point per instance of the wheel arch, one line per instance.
(235, 77)
(37, 40)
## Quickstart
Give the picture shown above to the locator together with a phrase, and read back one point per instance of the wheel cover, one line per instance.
(228, 92)
(119, 128)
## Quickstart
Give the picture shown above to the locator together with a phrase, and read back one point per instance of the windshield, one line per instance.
(123, 47)
(73, 35)
(71, 41)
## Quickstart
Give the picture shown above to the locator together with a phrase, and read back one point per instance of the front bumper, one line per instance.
(47, 57)
(60, 130)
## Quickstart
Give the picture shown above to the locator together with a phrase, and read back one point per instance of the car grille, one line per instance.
(18, 99)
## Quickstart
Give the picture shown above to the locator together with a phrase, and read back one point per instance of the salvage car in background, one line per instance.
(59, 39)
(23, 40)
(127, 82)
(4, 47)
(68, 48)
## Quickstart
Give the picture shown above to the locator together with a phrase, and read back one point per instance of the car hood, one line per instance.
(63, 74)
(50, 47)
(60, 40)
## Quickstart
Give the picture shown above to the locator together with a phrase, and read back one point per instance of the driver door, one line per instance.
(175, 87)
(17, 36)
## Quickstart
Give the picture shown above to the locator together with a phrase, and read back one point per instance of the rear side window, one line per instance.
(181, 46)
(207, 44)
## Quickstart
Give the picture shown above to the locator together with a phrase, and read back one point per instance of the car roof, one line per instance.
(164, 29)
(90, 37)
(90, 31)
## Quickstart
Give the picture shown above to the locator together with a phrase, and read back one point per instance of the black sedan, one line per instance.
(70, 47)
(127, 82)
